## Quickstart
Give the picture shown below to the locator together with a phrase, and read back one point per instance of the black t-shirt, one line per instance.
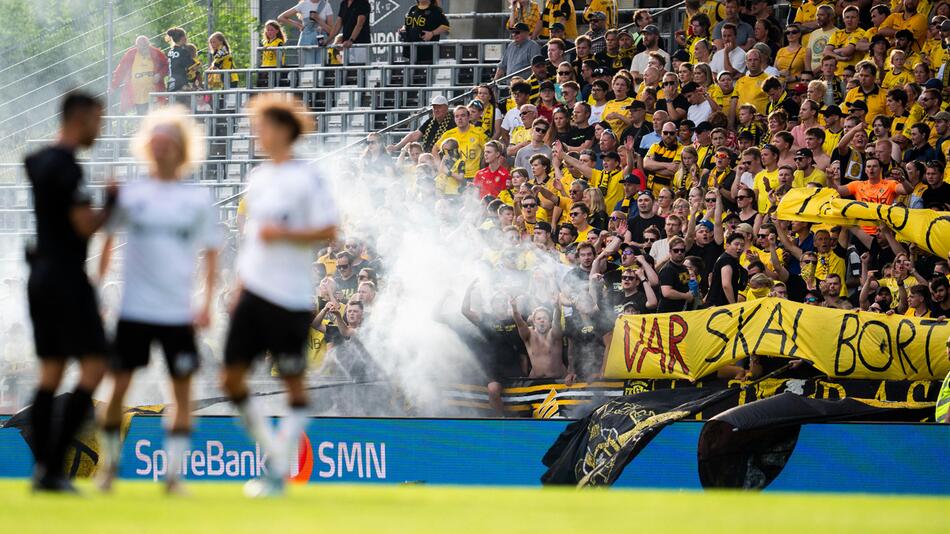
(880, 256)
(638, 224)
(616, 300)
(585, 335)
(937, 198)
(575, 136)
(708, 253)
(677, 277)
(422, 20)
(347, 287)
(349, 13)
(637, 132)
(180, 58)
(717, 295)
(679, 102)
(58, 186)
(505, 348)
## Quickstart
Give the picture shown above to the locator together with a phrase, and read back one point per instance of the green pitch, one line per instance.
(140, 507)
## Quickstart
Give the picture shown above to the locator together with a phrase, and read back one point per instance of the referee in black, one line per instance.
(63, 308)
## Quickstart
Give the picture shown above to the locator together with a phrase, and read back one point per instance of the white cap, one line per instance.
(439, 100)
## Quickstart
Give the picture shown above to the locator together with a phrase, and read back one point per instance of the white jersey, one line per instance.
(292, 195)
(167, 223)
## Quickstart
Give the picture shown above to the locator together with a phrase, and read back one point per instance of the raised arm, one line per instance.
(467, 310)
(523, 329)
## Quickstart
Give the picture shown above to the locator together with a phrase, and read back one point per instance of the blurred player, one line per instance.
(289, 209)
(167, 224)
(63, 306)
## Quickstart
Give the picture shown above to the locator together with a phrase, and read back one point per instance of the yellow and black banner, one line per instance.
(928, 229)
(839, 343)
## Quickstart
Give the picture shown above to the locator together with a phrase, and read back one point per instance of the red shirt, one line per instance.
(491, 183)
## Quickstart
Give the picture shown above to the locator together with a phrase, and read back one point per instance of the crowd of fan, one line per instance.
(653, 178)
(650, 179)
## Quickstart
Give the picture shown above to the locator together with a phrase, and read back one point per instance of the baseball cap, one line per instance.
(439, 100)
(934, 83)
(858, 104)
(745, 228)
(804, 152)
(945, 26)
(689, 87)
(541, 225)
(546, 85)
(557, 26)
(630, 179)
(538, 60)
(650, 28)
(477, 103)
(681, 55)
(597, 15)
(520, 27)
(706, 223)
(832, 110)
(637, 104)
(704, 126)
(942, 116)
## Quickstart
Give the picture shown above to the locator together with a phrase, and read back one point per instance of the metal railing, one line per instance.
(463, 50)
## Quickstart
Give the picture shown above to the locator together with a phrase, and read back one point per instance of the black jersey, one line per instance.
(57, 187)
(180, 59)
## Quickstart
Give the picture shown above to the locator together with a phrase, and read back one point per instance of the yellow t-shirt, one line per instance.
(715, 92)
(916, 24)
(842, 38)
(876, 101)
(816, 175)
(761, 193)
(831, 141)
(617, 106)
(607, 7)
(471, 145)
(791, 60)
(609, 185)
(749, 91)
(143, 70)
(893, 80)
(269, 57)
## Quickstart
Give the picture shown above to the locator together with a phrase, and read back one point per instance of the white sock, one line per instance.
(288, 437)
(257, 426)
(111, 448)
(176, 443)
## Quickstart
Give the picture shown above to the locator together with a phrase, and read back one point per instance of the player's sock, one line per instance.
(255, 423)
(176, 443)
(111, 446)
(289, 435)
(42, 421)
(74, 416)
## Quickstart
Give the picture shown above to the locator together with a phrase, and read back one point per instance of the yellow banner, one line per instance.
(840, 343)
(928, 229)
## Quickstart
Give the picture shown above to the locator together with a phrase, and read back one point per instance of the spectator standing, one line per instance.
(557, 11)
(675, 294)
(273, 39)
(432, 129)
(525, 12)
(180, 59)
(425, 23)
(315, 22)
(221, 59)
(598, 28)
(353, 26)
(141, 70)
(519, 52)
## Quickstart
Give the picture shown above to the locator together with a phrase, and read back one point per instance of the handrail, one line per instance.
(662, 11)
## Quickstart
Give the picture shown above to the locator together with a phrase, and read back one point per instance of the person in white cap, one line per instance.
(432, 129)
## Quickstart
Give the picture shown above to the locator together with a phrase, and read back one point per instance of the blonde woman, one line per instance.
(688, 174)
(169, 226)
(594, 199)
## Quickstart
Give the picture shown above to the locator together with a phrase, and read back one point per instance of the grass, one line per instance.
(140, 507)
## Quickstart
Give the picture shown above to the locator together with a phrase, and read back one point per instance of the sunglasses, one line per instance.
(529, 206)
(807, 262)
(563, 73)
(668, 83)
(575, 214)
(523, 113)
(762, 236)
(746, 162)
(792, 32)
(628, 252)
(343, 266)
(669, 133)
(678, 250)
(742, 197)
(649, 239)
(541, 130)
(628, 277)
(710, 200)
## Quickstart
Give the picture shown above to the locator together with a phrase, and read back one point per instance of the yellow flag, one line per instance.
(928, 229)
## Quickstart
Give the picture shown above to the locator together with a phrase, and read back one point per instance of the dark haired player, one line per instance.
(289, 208)
(63, 306)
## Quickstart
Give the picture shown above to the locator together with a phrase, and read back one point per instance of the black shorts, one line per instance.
(65, 314)
(133, 347)
(259, 326)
